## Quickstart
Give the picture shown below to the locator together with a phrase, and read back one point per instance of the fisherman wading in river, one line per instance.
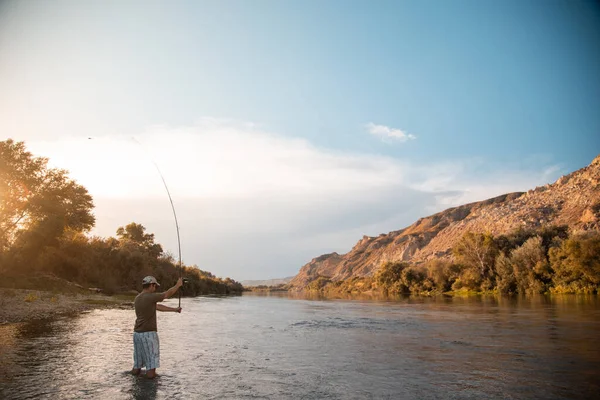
(146, 349)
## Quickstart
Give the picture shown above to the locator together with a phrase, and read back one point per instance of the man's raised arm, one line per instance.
(173, 290)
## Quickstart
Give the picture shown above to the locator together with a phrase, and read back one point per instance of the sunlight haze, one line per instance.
(285, 130)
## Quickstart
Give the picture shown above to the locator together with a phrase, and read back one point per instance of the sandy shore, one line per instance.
(20, 305)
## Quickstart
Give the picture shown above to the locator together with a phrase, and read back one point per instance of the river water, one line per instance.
(281, 347)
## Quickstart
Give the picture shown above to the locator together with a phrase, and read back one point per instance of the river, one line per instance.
(283, 347)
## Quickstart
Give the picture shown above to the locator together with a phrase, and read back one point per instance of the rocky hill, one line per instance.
(572, 200)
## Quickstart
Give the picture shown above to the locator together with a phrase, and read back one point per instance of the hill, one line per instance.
(573, 200)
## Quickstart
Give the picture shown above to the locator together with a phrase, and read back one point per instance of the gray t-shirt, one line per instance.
(145, 311)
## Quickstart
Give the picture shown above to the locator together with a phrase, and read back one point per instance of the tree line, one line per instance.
(546, 260)
(45, 220)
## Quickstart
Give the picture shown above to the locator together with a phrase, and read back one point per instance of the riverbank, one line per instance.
(21, 305)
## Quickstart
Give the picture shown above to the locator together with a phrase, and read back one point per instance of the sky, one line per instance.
(289, 129)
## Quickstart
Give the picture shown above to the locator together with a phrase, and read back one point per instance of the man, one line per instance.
(146, 349)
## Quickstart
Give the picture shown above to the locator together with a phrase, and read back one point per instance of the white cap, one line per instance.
(150, 279)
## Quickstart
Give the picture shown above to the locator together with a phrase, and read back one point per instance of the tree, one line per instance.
(550, 236)
(135, 233)
(576, 265)
(530, 266)
(38, 204)
(31, 192)
(389, 273)
(506, 282)
(442, 273)
(477, 251)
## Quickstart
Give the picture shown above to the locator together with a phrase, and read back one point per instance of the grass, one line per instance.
(124, 296)
(45, 282)
(99, 302)
(31, 297)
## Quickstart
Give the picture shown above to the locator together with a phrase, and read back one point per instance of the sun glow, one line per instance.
(108, 167)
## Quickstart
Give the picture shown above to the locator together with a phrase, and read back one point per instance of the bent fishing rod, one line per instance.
(174, 213)
(172, 207)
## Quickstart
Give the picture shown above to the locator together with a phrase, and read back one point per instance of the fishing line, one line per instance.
(172, 207)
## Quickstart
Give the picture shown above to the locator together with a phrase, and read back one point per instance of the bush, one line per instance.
(576, 265)
(530, 266)
(442, 274)
(318, 284)
(30, 298)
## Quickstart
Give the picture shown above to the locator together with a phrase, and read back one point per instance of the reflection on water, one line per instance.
(278, 346)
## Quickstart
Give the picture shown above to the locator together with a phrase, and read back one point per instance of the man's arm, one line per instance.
(160, 307)
(172, 291)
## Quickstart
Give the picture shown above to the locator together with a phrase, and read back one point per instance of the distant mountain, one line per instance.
(573, 200)
(268, 282)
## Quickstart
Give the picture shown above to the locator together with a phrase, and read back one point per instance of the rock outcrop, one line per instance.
(573, 200)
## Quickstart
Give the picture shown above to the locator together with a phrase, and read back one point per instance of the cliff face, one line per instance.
(573, 200)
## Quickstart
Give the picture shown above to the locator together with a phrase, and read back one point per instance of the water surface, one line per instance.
(278, 347)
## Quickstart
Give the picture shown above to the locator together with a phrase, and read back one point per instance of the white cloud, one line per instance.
(385, 132)
(253, 204)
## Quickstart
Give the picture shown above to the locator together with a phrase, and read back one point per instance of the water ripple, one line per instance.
(253, 347)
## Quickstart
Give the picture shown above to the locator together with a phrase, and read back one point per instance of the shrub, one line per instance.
(30, 298)
(576, 265)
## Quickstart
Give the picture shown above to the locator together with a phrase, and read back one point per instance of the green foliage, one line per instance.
(443, 274)
(550, 235)
(402, 278)
(37, 203)
(576, 265)
(135, 234)
(389, 273)
(530, 266)
(100, 302)
(476, 252)
(44, 216)
(318, 284)
(353, 285)
(523, 262)
(506, 281)
(31, 297)
(202, 282)
(525, 269)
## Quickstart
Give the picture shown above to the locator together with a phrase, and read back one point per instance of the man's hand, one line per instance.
(174, 289)
(178, 309)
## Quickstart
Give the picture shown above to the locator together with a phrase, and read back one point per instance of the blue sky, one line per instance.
(498, 96)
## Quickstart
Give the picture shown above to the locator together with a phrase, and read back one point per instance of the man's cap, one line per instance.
(150, 279)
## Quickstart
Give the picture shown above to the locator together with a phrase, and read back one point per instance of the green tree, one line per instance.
(550, 235)
(530, 266)
(506, 283)
(415, 280)
(136, 233)
(36, 198)
(389, 273)
(477, 253)
(318, 283)
(442, 273)
(576, 265)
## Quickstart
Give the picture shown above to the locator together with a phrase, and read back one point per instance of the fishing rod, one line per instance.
(174, 213)
(172, 207)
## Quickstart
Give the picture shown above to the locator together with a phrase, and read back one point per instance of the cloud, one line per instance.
(385, 132)
(253, 204)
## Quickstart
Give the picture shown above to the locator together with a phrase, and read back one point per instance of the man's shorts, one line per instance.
(146, 350)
